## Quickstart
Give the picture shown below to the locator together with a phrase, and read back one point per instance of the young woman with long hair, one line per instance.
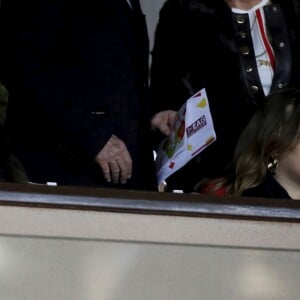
(266, 161)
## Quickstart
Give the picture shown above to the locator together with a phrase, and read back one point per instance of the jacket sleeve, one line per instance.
(167, 87)
(43, 76)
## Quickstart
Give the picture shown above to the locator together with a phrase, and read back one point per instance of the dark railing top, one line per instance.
(131, 201)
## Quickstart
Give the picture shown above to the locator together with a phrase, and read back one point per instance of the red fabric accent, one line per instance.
(265, 39)
(210, 189)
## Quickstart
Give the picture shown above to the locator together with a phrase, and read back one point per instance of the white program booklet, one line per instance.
(193, 132)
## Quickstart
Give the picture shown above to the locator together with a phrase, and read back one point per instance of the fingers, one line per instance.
(114, 171)
(125, 165)
(173, 115)
(105, 170)
(157, 121)
(115, 161)
(164, 121)
(165, 129)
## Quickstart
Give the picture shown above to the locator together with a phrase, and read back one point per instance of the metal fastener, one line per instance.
(240, 19)
(243, 34)
(245, 50)
(254, 88)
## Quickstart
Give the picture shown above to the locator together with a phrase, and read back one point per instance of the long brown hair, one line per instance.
(273, 130)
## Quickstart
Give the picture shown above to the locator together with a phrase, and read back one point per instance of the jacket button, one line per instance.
(281, 44)
(245, 50)
(280, 85)
(243, 34)
(240, 19)
(254, 88)
(249, 69)
(275, 9)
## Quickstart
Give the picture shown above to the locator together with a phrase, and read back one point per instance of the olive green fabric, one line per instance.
(3, 102)
(11, 167)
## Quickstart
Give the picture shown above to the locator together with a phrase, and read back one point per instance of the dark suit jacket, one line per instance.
(77, 73)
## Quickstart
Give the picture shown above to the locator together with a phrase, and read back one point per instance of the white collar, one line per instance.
(254, 8)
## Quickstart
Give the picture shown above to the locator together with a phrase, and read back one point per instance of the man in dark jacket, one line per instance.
(214, 45)
(77, 76)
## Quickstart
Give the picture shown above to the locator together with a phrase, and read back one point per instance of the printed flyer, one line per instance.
(193, 132)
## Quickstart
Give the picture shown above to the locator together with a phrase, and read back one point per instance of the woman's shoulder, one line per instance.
(269, 188)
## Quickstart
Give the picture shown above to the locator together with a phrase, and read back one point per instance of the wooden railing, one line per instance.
(131, 201)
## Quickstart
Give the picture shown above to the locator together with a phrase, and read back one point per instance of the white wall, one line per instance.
(69, 254)
(151, 9)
